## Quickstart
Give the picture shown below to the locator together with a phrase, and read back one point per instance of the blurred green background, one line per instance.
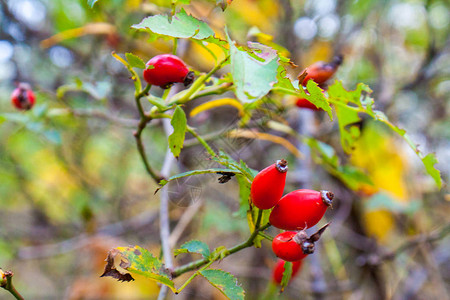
(72, 185)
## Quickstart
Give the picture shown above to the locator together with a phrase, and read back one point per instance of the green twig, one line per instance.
(187, 96)
(138, 134)
(6, 283)
(201, 141)
(248, 243)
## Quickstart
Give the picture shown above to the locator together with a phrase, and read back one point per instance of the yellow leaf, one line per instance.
(384, 163)
(379, 224)
(217, 103)
(251, 134)
(91, 28)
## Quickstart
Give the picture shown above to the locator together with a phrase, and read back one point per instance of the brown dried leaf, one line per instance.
(116, 265)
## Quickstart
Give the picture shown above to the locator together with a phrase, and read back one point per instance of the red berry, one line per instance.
(278, 271)
(23, 97)
(303, 103)
(268, 185)
(166, 69)
(322, 71)
(300, 209)
(287, 247)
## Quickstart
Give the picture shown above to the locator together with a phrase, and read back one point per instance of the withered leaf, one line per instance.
(112, 271)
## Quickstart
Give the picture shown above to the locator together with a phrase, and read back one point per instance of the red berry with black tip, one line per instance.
(166, 69)
(23, 97)
(268, 185)
(321, 71)
(278, 270)
(300, 209)
(287, 247)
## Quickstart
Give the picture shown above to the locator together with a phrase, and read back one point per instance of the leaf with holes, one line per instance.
(123, 260)
(225, 282)
(349, 104)
(254, 73)
(182, 25)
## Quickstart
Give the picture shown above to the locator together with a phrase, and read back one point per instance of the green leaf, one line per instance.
(224, 282)
(227, 161)
(91, 3)
(255, 73)
(179, 124)
(349, 104)
(286, 274)
(314, 95)
(182, 25)
(317, 98)
(348, 121)
(244, 196)
(429, 161)
(135, 61)
(137, 260)
(264, 220)
(194, 247)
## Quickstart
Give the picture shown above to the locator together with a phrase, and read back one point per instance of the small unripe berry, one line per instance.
(23, 97)
(166, 69)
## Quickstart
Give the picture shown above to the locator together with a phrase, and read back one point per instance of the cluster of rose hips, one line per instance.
(319, 72)
(293, 212)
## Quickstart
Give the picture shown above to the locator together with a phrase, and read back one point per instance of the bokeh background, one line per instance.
(72, 185)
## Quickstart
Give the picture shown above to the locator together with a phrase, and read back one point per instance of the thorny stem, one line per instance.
(8, 285)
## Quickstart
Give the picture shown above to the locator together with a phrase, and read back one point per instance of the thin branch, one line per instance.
(377, 259)
(198, 263)
(145, 119)
(184, 221)
(6, 283)
(105, 116)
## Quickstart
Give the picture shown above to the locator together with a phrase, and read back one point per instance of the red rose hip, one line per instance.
(322, 71)
(300, 209)
(23, 97)
(268, 185)
(287, 247)
(303, 103)
(278, 271)
(165, 69)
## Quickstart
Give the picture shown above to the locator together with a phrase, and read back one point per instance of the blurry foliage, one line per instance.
(65, 172)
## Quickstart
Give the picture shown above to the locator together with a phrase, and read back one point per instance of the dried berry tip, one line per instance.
(282, 165)
(308, 247)
(300, 237)
(189, 78)
(327, 197)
